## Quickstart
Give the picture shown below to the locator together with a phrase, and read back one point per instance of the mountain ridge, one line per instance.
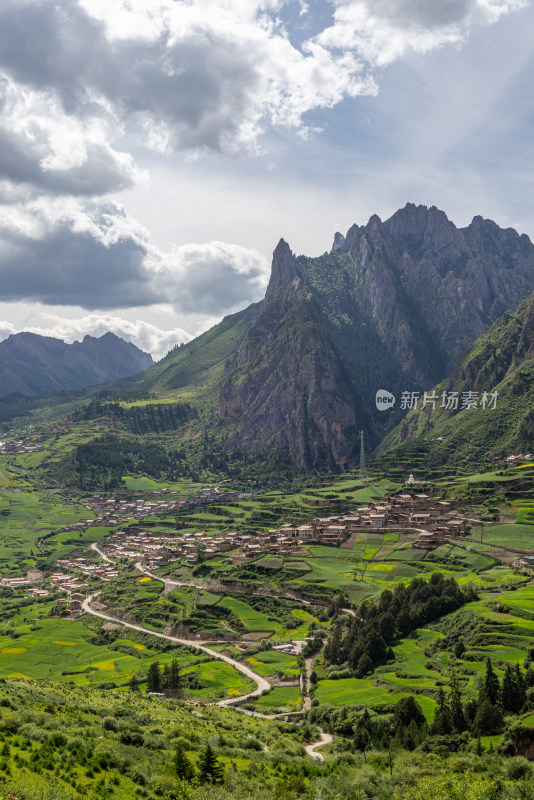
(31, 364)
(398, 302)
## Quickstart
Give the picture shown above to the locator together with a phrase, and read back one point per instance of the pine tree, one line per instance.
(333, 648)
(442, 723)
(492, 688)
(520, 690)
(210, 770)
(488, 718)
(174, 681)
(457, 710)
(508, 689)
(134, 683)
(165, 680)
(364, 666)
(153, 678)
(182, 766)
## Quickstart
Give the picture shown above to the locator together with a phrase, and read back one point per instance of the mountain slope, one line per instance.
(194, 370)
(286, 389)
(31, 364)
(501, 361)
(431, 288)
(392, 306)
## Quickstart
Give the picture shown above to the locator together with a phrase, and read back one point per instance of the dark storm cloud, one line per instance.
(102, 261)
(101, 172)
(66, 267)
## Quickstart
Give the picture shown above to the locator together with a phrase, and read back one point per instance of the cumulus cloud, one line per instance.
(195, 76)
(214, 277)
(78, 77)
(382, 31)
(43, 147)
(97, 257)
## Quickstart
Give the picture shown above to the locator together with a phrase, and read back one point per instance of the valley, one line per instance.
(191, 553)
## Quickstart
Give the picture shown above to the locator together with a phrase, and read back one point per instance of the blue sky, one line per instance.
(150, 162)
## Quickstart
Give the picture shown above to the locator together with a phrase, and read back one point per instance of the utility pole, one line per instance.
(363, 472)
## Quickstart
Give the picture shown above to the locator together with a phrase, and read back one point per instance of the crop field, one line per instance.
(148, 485)
(522, 600)
(519, 537)
(423, 661)
(61, 650)
(525, 515)
(27, 516)
(221, 680)
(252, 619)
(281, 698)
(271, 662)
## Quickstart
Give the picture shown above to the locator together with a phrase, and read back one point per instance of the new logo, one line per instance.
(384, 400)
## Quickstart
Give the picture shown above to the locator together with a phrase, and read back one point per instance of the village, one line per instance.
(431, 519)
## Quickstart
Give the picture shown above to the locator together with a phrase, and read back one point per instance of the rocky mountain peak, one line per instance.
(283, 269)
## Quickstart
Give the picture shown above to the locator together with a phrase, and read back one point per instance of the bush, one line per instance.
(518, 768)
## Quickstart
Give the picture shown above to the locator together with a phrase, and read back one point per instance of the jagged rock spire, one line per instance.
(283, 269)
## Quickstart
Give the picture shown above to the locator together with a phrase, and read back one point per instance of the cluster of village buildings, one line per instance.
(514, 460)
(431, 518)
(116, 512)
(18, 446)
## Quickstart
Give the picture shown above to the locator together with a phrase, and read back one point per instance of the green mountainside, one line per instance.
(501, 362)
(193, 371)
(292, 380)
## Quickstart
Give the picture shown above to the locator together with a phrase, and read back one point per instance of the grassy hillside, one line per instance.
(500, 362)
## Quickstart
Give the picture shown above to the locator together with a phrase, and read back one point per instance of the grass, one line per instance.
(271, 662)
(28, 516)
(252, 619)
(281, 697)
(143, 484)
(519, 537)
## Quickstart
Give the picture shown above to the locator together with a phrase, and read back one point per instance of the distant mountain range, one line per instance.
(31, 364)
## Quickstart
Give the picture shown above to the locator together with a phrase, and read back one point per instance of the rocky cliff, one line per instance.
(393, 306)
(498, 371)
(286, 388)
(431, 288)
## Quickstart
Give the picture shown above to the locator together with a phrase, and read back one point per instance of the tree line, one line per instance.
(366, 642)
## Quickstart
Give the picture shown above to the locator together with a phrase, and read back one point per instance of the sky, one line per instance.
(152, 154)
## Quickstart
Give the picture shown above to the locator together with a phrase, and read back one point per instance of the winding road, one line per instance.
(326, 738)
(102, 555)
(261, 684)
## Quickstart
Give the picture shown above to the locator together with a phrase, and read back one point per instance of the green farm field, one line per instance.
(61, 650)
(27, 516)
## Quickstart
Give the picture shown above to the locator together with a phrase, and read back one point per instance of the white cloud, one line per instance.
(192, 77)
(382, 31)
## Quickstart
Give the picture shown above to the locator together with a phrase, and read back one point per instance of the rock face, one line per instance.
(432, 288)
(286, 388)
(33, 364)
(392, 306)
